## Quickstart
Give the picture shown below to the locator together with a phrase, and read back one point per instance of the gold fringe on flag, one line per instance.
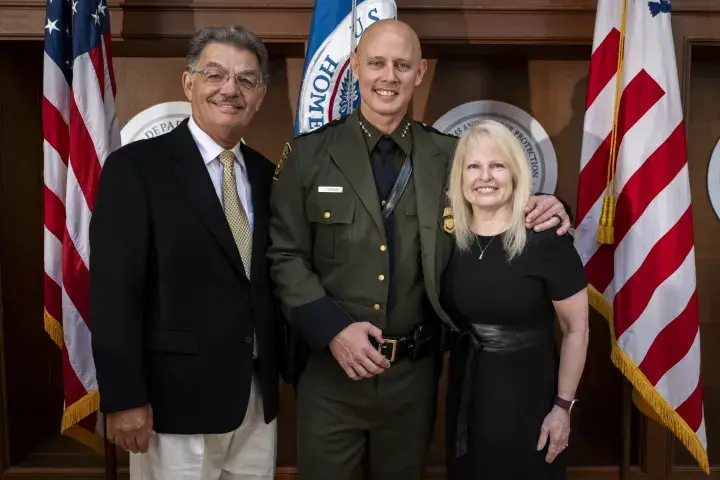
(81, 409)
(606, 229)
(54, 329)
(646, 398)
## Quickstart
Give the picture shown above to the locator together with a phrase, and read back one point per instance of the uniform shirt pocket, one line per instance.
(332, 216)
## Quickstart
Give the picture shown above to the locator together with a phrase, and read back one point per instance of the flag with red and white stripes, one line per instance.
(80, 130)
(634, 218)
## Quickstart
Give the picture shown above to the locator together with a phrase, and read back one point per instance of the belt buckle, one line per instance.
(381, 347)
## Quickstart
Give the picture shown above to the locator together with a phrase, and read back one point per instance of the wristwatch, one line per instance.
(565, 404)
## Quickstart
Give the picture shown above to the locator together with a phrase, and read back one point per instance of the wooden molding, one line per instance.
(494, 21)
(680, 7)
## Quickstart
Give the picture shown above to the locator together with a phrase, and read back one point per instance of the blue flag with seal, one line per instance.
(328, 91)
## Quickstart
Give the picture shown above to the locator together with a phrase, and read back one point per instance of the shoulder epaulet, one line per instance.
(319, 129)
(283, 157)
(431, 129)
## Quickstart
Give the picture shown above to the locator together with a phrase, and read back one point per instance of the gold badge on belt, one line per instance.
(448, 222)
(283, 157)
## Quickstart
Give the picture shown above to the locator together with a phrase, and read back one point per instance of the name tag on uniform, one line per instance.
(330, 189)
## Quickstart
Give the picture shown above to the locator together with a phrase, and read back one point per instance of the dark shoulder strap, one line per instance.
(398, 188)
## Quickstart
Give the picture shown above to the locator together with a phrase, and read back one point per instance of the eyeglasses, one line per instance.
(217, 78)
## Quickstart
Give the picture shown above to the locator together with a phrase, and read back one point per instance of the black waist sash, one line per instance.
(490, 338)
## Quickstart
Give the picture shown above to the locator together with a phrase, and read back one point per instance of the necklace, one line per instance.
(482, 250)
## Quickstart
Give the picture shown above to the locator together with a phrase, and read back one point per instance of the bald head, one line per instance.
(388, 65)
(391, 28)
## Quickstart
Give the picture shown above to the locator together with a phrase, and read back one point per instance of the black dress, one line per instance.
(504, 367)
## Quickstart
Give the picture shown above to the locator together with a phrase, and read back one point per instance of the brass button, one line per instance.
(326, 214)
(384, 203)
(381, 277)
(376, 306)
(383, 248)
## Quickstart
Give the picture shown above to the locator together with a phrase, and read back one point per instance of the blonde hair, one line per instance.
(499, 135)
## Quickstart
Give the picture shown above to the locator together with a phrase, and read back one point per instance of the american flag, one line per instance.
(80, 130)
(635, 228)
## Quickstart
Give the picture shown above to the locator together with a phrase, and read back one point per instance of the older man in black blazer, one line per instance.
(185, 331)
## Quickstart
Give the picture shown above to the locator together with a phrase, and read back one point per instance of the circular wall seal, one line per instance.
(714, 179)
(532, 136)
(154, 121)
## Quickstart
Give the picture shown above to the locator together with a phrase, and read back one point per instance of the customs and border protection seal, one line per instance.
(532, 136)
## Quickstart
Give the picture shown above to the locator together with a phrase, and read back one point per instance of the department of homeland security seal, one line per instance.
(714, 179)
(533, 138)
(154, 121)
(328, 87)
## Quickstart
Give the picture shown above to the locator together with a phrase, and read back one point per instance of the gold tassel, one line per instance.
(606, 231)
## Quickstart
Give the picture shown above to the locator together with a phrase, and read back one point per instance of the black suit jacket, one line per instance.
(171, 310)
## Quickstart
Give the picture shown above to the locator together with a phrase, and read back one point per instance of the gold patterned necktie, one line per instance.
(234, 212)
(237, 218)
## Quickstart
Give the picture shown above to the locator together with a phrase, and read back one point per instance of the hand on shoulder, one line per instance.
(546, 211)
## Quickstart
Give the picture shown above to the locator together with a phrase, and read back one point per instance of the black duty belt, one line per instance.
(490, 338)
(426, 338)
(395, 348)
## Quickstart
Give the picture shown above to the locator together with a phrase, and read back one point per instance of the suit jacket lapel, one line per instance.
(259, 186)
(429, 171)
(193, 178)
(350, 154)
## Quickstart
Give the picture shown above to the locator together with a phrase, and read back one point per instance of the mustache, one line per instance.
(234, 101)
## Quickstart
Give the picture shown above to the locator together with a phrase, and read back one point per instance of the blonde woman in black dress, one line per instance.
(510, 393)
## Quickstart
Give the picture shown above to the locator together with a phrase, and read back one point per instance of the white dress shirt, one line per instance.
(210, 152)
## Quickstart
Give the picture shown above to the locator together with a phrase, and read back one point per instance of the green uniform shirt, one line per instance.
(328, 247)
(409, 286)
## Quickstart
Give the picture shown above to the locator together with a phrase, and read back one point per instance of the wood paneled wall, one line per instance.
(30, 361)
(531, 53)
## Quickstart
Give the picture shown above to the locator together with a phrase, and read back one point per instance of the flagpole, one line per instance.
(353, 32)
(626, 429)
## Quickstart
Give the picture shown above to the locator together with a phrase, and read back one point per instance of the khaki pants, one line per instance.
(247, 453)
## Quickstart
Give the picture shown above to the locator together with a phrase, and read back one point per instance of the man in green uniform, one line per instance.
(359, 235)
